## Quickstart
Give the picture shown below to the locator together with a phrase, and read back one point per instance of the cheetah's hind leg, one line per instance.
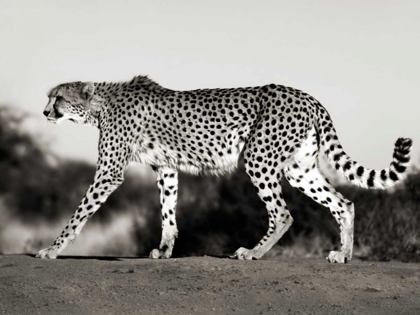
(316, 186)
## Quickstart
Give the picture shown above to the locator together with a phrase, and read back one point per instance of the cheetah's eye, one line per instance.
(58, 98)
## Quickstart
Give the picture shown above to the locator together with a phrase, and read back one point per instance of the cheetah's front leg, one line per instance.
(96, 195)
(167, 181)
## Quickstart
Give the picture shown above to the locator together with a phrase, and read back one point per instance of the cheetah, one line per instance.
(279, 129)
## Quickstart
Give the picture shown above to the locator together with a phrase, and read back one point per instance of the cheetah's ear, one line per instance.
(88, 89)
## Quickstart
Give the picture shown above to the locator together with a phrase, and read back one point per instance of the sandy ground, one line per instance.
(205, 285)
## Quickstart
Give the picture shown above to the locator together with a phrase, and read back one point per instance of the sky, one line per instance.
(359, 58)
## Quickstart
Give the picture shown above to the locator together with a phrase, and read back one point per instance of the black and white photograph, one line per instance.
(209, 157)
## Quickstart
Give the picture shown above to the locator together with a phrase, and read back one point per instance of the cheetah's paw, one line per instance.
(246, 254)
(48, 253)
(156, 254)
(338, 257)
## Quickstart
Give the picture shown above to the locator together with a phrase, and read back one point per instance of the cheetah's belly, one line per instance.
(216, 164)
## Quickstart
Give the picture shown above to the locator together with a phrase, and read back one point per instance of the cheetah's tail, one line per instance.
(362, 176)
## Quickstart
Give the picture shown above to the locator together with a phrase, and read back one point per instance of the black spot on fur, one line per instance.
(401, 158)
(338, 156)
(399, 168)
(347, 166)
(393, 176)
(371, 179)
(383, 175)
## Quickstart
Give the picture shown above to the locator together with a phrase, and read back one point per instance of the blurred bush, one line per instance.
(216, 215)
(39, 186)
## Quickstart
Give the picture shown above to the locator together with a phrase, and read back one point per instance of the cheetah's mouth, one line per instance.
(52, 120)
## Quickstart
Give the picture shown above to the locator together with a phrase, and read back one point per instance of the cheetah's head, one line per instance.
(73, 101)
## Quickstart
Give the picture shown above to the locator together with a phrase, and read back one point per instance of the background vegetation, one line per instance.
(216, 215)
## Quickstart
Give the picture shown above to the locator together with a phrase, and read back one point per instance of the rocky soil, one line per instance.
(205, 285)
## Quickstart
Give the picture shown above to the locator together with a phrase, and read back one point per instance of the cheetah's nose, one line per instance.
(46, 113)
